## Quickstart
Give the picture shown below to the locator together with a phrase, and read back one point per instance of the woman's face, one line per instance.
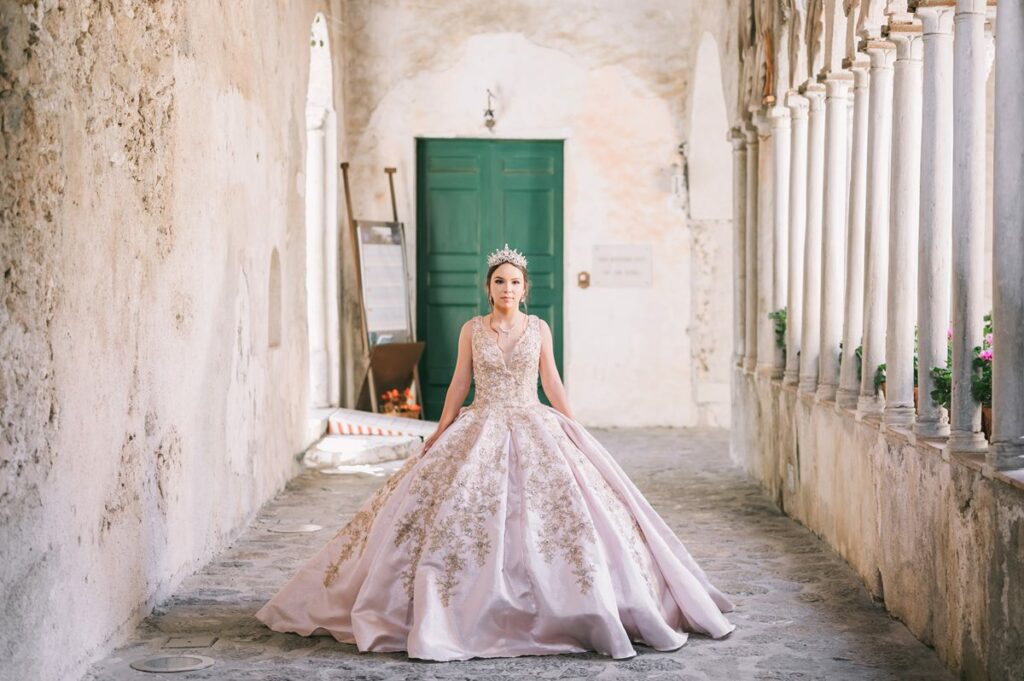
(507, 287)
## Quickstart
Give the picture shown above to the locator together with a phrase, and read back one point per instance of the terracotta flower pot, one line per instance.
(986, 421)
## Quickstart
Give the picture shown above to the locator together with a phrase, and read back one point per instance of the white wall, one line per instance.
(612, 80)
(153, 162)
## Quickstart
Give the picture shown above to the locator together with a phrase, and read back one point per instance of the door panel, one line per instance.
(473, 196)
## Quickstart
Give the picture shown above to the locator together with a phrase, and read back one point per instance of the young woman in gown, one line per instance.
(512, 532)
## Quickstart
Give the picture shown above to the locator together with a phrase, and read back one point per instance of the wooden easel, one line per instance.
(388, 364)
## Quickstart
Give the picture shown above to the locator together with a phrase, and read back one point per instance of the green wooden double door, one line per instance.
(474, 196)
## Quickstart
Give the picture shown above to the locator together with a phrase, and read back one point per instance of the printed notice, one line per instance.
(623, 266)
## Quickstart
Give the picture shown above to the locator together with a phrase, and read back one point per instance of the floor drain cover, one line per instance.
(292, 529)
(191, 642)
(173, 663)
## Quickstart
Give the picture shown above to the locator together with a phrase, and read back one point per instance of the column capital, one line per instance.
(936, 16)
(737, 138)
(837, 84)
(860, 62)
(761, 123)
(750, 133)
(861, 68)
(778, 117)
(798, 105)
(316, 116)
(973, 6)
(882, 53)
(814, 93)
(908, 40)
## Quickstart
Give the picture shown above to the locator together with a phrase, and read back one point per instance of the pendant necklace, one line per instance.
(502, 330)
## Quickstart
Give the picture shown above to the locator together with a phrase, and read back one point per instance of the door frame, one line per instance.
(562, 135)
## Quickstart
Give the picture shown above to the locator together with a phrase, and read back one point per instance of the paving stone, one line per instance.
(801, 612)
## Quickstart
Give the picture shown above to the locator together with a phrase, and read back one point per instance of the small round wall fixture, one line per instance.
(172, 664)
(294, 529)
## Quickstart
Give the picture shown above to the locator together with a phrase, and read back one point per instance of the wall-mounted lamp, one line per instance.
(489, 112)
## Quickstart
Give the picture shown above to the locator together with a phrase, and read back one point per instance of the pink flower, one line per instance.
(988, 339)
(949, 333)
(986, 355)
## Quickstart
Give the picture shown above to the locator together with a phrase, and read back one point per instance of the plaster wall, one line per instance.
(614, 81)
(938, 541)
(152, 168)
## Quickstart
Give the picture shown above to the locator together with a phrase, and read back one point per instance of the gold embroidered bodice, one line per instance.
(511, 384)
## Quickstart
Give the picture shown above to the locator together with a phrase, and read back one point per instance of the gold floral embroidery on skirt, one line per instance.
(625, 523)
(357, 530)
(553, 493)
(464, 478)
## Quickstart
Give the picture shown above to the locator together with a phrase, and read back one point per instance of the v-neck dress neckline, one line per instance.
(515, 346)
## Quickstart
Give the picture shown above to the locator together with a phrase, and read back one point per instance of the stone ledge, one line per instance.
(931, 533)
(901, 435)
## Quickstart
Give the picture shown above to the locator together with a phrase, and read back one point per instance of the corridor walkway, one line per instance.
(801, 611)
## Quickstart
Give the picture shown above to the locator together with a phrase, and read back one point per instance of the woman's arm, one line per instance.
(462, 378)
(549, 378)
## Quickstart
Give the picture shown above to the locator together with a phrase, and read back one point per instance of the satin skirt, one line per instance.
(516, 534)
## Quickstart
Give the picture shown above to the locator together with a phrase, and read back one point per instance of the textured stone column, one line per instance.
(739, 260)
(797, 226)
(968, 253)
(833, 231)
(905, 206)
(778, 118)
(853, 314)
(876, 245)
(766, 350)
(1007, 451)
(810, 334)
(936, 213)
(316, 271)
(750, 312)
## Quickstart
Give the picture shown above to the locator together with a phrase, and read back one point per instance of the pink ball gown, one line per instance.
(515, 534)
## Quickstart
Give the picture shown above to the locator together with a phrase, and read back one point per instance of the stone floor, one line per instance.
(801, 611)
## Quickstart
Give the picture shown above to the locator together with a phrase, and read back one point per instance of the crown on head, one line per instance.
(507, 255)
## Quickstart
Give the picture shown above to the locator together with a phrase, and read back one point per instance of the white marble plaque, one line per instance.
(623, 265)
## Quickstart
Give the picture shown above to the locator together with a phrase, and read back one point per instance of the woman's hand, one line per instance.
(433, 438)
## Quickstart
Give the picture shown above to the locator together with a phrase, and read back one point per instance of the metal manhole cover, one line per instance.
(292, 529)
(173, 663)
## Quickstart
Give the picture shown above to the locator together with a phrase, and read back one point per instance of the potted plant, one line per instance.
(779, 317)
(981, 381)
(942, 377)
(399, 403)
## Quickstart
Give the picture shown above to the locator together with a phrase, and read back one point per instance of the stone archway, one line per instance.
(709, 182)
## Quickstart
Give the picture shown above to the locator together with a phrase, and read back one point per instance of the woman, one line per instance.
(512, 532)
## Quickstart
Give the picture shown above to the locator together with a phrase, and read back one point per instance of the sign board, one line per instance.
(623, 266)
(384, 281)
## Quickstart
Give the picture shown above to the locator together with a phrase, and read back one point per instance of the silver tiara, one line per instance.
(507, 255)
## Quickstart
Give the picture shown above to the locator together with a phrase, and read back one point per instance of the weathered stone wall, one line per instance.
(614, 80)
(940, 542)
(152, 166)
